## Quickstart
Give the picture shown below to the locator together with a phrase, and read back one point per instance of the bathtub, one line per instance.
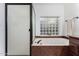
(51, 42)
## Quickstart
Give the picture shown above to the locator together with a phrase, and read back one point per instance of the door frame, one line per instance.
(6, 26)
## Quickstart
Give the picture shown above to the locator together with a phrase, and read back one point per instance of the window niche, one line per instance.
(49, 25)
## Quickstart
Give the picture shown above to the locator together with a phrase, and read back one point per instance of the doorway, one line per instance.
(18, 29)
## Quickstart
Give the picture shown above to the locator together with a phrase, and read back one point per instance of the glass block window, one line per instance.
(49, 26)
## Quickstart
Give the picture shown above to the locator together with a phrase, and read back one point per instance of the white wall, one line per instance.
(76, 28)
(2, 29)
(47, 9)
(70, 11)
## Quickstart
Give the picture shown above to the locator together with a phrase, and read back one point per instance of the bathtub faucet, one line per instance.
(39, 41)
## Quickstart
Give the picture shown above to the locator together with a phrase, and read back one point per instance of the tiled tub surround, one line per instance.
(49, 50)
(52, 41)
(50, 46)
